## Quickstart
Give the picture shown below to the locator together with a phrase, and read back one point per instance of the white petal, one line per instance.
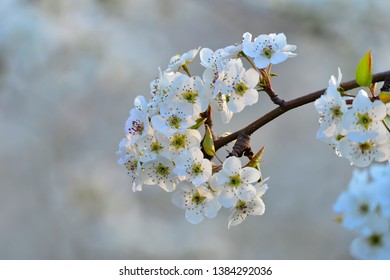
(206, 57)
(211, 208)
(220, 179)
(361, 101)
(250, 174)
(261, 62)
(378, 110)
(178, 198)
(186, 186)
(251, 49)
(278, 57)
(236, 104)
(246, 192)
(194, 215)
(251, 77)
(279, 41)
(236, 218)
(289, 48)
(256, 206)
(232, 165)
(250, 97)
(227, 197)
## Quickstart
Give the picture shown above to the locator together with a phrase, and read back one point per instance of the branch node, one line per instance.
(386, 85)
(242, 146)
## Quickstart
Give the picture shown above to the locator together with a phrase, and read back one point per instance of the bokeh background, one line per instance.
(69, 71)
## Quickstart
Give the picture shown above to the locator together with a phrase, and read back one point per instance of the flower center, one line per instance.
(156, 147)
(363, 208)
(179, 141)
(241, 206)
(336, 111)
(339, 137)
(197, 198)
(190, 96)
(235, 180)
(364, 120)
(174, 121)
(268, 52)
(365, 147)
(131, 165)
(137, 127)
(375, 240)
(163, 170)
(240, 88)
(197, 168)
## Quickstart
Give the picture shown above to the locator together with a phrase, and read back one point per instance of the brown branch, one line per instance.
(289, 105)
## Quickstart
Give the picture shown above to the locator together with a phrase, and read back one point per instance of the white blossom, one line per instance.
(191, 166)
(371, 246)
(362, 150)
(178, 61)
(268, 49)
(190, 90)
(174, 117)
(365, 116)
(332, 108)
(235, 182)
(137, 125)
(179, 142)
(151, 146)
(160, 89)
(253, 207)
(128, 157)
(239, 84)
(159, 172)
(199, 202)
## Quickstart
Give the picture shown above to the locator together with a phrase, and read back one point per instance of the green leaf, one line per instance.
(255, 160)
(199, 123)
(364, 71)
(208, 142)
(384, 97)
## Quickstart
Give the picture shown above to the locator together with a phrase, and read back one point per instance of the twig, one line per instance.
(289, 105)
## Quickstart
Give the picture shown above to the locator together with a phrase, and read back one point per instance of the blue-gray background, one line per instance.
(69, 71)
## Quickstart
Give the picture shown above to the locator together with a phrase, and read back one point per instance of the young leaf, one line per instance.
(364, 71)
(384, 97)
(208, 142)
(199, 123)
(255, 160)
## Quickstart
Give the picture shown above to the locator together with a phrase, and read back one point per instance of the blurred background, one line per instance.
(69, 71)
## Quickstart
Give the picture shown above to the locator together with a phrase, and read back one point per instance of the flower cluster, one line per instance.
(355, 126)
(163, 144)
(365, 208)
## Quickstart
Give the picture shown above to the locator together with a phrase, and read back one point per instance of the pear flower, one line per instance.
(191, 166)
(137, 125)
(240, 86)
(175, 117)
(128, 157)
(269, 49)
(159, 172)
(178, 61)
(253, 207)
(235, 182)
(332, 108)
(372, 246)
(365, 116)
(199, 202)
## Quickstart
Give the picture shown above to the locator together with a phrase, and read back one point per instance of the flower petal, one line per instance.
(227, 197)
(194, 215)
(250, 174)
(246, 192)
